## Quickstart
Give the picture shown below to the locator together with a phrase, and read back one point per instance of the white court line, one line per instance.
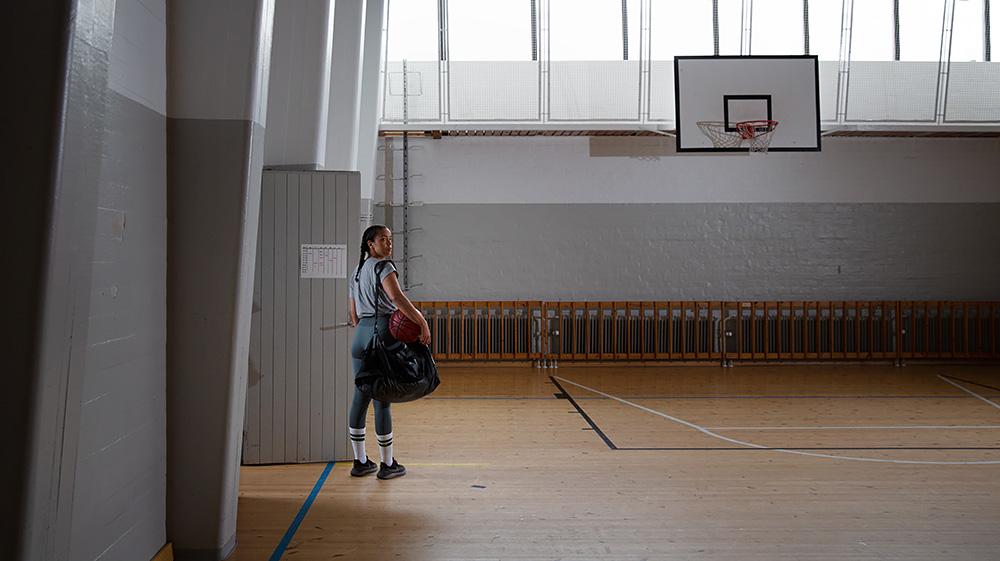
(865, 427)
(970, 392)
(783, 450)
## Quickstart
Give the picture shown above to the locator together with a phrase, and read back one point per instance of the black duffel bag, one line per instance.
(403, 372)
(398, 373)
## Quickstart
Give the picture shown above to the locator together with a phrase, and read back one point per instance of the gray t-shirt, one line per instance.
(363, 291)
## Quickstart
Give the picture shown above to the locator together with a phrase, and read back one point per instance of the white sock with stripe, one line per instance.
(385, 448)
(358, 443)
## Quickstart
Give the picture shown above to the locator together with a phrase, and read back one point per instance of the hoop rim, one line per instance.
(751, 129)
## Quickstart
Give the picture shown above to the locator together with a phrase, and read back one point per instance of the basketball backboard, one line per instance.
(714, 93)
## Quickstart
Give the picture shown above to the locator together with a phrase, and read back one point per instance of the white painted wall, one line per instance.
(371, 93)
(214, 196)
(239, 93)
(119, 484)
(345, 86)
(538, 218)
(299, 83)
(139, 53)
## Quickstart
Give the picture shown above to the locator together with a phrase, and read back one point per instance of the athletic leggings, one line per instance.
(359, 407)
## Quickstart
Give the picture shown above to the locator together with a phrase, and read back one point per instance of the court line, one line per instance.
(865, 427)
(294, 526)
(448, 464)
(583, 398)
(768, 448)
(786, 397)
(708, 432)
(970, 392)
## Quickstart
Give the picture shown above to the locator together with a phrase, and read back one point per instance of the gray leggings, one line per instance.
(359, 407)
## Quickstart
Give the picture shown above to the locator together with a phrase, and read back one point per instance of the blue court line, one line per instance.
(290, 533)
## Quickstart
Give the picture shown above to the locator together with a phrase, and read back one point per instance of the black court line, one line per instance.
(583, 414)
(788, 396)
(563, 394)
(971, 382)
(750, 449)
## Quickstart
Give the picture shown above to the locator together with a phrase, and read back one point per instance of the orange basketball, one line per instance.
(403, 328)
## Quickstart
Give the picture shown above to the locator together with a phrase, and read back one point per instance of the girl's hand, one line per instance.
(425, 334)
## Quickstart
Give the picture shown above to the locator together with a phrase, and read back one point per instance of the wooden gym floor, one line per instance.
(866, 462)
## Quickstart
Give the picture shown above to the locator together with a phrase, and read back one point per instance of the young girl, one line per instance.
(370, 310)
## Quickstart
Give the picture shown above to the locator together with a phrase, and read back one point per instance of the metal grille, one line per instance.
(710, 331)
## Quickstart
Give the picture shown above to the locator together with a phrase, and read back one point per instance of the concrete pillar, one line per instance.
(371, 94)
(345, 86)
(299, 84)
(218, 55)
(61, 51)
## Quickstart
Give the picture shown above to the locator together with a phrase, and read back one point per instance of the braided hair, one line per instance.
(370, 233)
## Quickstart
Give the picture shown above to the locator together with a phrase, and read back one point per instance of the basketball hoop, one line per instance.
(757, 134)
(720, 137)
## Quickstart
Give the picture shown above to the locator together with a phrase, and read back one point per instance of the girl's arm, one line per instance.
(395, 292)
(354, 313)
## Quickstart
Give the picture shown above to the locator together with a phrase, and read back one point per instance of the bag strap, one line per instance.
(379, 267)
(378, 281)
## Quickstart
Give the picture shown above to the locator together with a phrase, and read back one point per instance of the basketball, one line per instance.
(403, 328)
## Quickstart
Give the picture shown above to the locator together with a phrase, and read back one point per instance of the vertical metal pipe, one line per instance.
(746, 33)
(534, 30)
(944, 60)
(843, 75)
(442, 29)
(406, 176)
(895, 30)
(444, 63)
(986, 29)
(805, 27)
(544, 76)
(624, 29)
(406, 204)
(715, 25)
(645, 59)
(387, 174)
(406, 99)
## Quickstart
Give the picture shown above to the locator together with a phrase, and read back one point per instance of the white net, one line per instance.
(755, 135)
(720, 137)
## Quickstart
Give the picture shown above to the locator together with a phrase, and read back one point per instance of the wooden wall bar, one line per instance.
(713, 330)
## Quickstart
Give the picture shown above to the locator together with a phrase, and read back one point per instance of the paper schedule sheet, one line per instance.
(323, 261)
